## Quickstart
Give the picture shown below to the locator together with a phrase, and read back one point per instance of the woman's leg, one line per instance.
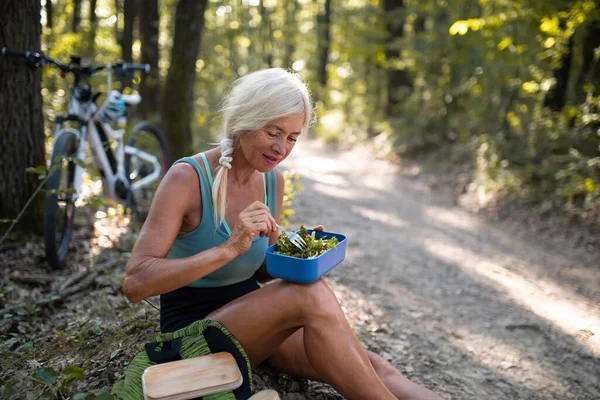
(264, 319)
(291, 358)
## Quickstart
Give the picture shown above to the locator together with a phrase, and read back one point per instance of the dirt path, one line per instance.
(472, 310)
(469, 308)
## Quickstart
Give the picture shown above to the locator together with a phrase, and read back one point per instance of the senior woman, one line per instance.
(203, 246)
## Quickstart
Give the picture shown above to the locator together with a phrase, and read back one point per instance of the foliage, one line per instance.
(485, 74)
(55, 384)
(314, 246)
(488, 74)
(292, 186)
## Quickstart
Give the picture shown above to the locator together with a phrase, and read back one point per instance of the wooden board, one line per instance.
(192, 377)
(265, 395)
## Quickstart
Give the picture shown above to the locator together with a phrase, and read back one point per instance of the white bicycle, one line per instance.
(130, 172)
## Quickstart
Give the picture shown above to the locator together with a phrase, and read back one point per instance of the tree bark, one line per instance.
(178, 92)
(588, 69)
(49, 14)
(150, 84)
(118, 12)
(93, 27)
(267, 34)
(557, 97)
(324, 41)
(398, 79)
(76, 21)
(292, 32)
(21, 123)
(129, 10)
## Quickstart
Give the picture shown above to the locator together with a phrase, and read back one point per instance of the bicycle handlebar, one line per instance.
(9, 52)
(36, 59)
(136, 67)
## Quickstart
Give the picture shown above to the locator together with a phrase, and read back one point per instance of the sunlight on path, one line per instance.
(445, 269)
(564, 314)
(371, 178)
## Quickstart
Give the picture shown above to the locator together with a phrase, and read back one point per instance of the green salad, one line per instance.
(314, 247)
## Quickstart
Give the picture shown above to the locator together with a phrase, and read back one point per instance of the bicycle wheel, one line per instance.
(59, 211)
(149, 139)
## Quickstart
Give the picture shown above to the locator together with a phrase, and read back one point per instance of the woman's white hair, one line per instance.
(252, 103)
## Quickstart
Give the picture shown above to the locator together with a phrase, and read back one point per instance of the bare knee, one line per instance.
(315, 299)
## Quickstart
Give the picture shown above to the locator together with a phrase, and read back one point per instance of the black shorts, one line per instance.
(185, 305)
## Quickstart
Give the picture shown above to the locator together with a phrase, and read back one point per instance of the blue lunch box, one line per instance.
(306, 270)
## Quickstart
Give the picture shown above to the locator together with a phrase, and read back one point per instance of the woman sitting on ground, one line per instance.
(202, 269)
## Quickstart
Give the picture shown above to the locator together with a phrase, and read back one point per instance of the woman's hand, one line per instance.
(255, 220)
(318, 228)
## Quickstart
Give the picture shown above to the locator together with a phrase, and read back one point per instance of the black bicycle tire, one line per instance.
(166, 156)
(56, 255)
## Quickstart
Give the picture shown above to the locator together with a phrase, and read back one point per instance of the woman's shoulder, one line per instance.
(181, 187)
(212, 157)
(279, 177)
(180, 176)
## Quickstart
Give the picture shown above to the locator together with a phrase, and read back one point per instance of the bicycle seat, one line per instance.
(132, 99)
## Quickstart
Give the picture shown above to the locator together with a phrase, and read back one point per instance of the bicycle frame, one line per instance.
(118, 165)
(94, 134)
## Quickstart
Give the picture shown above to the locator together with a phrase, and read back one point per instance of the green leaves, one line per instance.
(39, 170)
(60, 383)
(71, 374)
(314, 247)
(292, 186)
(94, 395)
(45, 376)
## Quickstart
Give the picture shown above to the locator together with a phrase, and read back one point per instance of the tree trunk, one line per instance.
(49, 14)
(76, 16)
(150, 84)
(129, 11)
(267, 34)
(118, 12)
(398, 79)
(557, 97)
(93, 27)
(588, 69)
(324, 41)
(21, 123)
(292, 32)
(178, 92)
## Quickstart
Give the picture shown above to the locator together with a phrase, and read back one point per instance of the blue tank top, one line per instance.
(205, 236)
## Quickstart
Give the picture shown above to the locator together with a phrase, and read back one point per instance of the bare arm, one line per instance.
(262, 275)
(149, 273)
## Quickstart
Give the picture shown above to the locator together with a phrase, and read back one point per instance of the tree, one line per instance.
(267, 34)
(589, 70)
(150, 86)
(178, 91)
(291, 10)
(557, 98)
(129, 11)
(398, 79)
(93, 27)
(21, 124)
(49, 14)
(76, 21)
(324, 23)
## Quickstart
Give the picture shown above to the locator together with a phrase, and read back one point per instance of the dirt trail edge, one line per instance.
(469, 309)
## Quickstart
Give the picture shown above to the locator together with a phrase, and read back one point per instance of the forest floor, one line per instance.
(494, 304)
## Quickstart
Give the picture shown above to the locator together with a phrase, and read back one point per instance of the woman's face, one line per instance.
(267, 147)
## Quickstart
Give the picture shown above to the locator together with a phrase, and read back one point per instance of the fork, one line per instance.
(294, 238)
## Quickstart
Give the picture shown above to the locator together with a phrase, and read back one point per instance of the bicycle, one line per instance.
(130, 174)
